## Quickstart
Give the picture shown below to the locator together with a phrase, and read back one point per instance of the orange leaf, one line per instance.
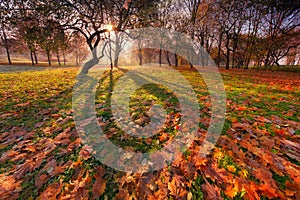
(280, 131)
(233, 189)
(242, 108)
(30, 148)
(231, 168)
(176, 187)
(234, 120)
(200, 161)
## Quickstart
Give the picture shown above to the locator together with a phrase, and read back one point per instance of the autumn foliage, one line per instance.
(256, 157)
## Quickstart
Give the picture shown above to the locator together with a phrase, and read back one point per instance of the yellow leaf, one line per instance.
(244, 173)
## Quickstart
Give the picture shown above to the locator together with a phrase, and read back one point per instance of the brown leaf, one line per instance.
(29, 135)
(265, 176)
(30, 148)
(122, 195)
(211, 192)
(22, 104)
(100, 183)
(200, 161)
(23, 169)
(9, 187)
(268, 191)
(177, 187)
(2, 146)
(74, 144)
(99, 187)
(19, 157)
(85, 152)
(40, 180)
(51, 192)
(144, 186)
(251, 189)
(291, 188)
(8, 155)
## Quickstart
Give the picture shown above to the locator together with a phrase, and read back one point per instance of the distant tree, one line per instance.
(50, 38)
(29, 30)
(77, 46)
(5, 27)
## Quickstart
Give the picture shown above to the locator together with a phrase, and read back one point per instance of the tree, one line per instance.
(5, 27)
(77, 46)
(281, 18)
(29, 30)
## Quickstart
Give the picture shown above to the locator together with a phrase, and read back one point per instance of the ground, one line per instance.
(256, 157)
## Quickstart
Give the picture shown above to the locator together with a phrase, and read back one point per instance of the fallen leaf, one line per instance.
(211, 192)
(23, 169)
(100, 183)
(51, 192)
(242, 108)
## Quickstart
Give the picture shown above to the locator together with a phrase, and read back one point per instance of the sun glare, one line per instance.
(109, 27)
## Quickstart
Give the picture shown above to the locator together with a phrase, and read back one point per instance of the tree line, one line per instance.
(236, 33)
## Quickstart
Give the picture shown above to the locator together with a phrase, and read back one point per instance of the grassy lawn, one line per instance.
(256, 157)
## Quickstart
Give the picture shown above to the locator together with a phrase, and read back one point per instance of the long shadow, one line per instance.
(28, 116)
(148, 76)
(139, 79)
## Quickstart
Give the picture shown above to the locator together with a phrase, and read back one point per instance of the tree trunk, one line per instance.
(64, 56)
(219, 49)
(76, 57)
(116, 61)
(110, 56)
(35, 57)
(227, 51)
(160, 57)
(94, 61)
(117, 51)
(168, 58)
(49, 58)
(176, 60)
(4, 40)
(117, 54)
(235, 42)
(58, 58)
(140, 57)
(267, 60)
(31, 57)
(8, 55)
